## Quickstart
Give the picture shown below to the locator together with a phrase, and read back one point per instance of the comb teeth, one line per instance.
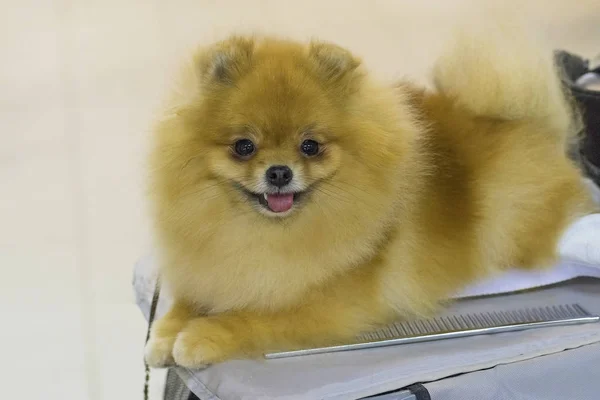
(470, 322)
(460, 325)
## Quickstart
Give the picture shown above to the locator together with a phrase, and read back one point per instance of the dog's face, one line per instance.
(276, 136)
(276, 164)
(275, 130)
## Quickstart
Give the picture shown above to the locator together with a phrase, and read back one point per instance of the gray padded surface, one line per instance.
(569, 375)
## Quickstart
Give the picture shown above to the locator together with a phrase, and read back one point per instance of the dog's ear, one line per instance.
(226, 61)
(332, 63)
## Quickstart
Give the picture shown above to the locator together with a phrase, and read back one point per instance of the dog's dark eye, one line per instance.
(309, 147)
(244, 147)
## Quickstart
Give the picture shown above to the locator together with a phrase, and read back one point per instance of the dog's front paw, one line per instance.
(205, 341)
(159, 349)
(159, 352)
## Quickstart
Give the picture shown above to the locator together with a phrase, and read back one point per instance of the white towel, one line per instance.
(580, 256)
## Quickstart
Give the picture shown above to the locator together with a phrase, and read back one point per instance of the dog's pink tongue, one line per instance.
(280, 202)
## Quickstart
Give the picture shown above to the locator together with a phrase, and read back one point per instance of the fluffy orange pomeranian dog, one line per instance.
(298, 202)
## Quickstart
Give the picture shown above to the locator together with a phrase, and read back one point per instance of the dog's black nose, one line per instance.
(279, 175)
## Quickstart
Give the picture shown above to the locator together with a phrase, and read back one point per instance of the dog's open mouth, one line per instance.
(277, 203)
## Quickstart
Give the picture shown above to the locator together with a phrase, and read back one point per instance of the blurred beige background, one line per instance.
(79, 85)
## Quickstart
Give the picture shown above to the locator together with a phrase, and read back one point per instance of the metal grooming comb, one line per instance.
(456, 326)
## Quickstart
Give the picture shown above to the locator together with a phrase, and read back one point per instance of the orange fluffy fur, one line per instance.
(416, 193)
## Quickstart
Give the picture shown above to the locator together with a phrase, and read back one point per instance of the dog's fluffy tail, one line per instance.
(501, 71)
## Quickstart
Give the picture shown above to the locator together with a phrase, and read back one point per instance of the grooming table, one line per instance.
(548, 363)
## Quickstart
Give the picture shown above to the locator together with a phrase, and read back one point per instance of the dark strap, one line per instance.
(150, 320)
(420, 391)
